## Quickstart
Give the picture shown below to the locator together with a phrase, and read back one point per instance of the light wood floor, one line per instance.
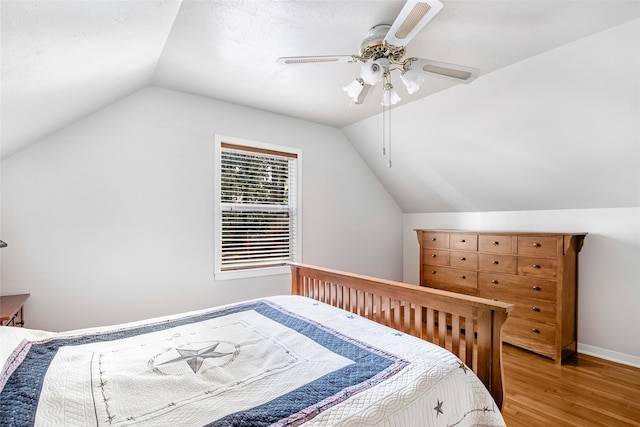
(583, 391)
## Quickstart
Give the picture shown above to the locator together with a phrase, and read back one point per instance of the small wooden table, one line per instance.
(12, 310)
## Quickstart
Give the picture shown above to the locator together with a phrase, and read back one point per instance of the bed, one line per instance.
(343, 349)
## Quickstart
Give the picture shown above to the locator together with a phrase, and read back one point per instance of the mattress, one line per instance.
(278, 361)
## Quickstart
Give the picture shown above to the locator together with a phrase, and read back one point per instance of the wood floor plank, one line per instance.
(583, 391)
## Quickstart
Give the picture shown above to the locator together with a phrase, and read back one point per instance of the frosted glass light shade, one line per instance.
(412, 79)
(371, 73)
(390, 96)
(353, 89)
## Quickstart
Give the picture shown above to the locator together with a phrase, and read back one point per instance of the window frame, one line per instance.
(256, 146)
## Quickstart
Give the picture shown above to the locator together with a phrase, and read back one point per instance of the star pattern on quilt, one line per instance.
(195, 358)
(438, 408)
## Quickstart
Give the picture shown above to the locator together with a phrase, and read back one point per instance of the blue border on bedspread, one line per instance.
(19, 397)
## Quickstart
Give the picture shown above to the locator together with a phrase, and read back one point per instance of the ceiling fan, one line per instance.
(382, 51)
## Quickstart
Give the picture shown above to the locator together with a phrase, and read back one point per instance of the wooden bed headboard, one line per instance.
(445, 316)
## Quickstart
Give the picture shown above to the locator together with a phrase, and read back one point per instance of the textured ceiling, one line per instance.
(63, 60)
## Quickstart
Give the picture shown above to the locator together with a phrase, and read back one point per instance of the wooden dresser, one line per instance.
(537, 272)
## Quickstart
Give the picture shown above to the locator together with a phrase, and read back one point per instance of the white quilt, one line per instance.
(284, 360)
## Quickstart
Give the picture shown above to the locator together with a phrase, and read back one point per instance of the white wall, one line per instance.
(608, 280)
(111, 219)
(1, 227)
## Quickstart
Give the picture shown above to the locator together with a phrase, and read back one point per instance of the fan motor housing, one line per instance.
(374, 47)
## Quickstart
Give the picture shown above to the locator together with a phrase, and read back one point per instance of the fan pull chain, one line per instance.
(386, 131)
(389, 130)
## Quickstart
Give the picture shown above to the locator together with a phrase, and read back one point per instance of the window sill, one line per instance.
(252, 272)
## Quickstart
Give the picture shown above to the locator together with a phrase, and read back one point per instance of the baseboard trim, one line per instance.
(613, 356)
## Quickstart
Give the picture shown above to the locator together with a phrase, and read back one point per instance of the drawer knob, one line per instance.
(433, 272)
(433, 239)
(495, 262)
(536, 245)
(463, 277)
(433, 255)
(536, 266)
(463, 241)
(536, 288)
(536, 309)
(463, 259)
(494, 281)
(495, 243)
(535, 330)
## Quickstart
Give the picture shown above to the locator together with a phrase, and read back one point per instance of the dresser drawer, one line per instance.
(528, 333)
(497, 244)
(466, 260)
(539, 247)
(451, 276)
(544, 268)
(435, 240)
(539, 311)
(517, 286)
(497, 263)
(463, 242)
(450, 288)
(435, 257)
(536, 310)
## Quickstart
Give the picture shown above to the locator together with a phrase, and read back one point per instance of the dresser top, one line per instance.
(505, 233)
(9, 304)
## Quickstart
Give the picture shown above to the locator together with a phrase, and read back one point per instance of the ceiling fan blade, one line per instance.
(457, 73)
(313, 59)
(412, 18)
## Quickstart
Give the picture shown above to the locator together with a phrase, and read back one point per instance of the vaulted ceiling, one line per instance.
(63, 60)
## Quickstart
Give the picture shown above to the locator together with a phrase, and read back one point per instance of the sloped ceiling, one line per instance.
(63, 60)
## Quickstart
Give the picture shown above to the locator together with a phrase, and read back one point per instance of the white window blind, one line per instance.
(258, 207)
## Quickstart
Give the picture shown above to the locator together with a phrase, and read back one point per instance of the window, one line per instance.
(257, 216)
